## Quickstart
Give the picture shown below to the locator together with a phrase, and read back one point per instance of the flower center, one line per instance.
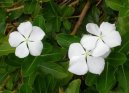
(27, 40)
(87, 53)
(100, 37)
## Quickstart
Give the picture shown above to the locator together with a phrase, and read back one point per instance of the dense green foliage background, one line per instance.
(48, 72)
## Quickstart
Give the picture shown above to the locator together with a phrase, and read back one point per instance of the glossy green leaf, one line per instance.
(5, 48)
(3, 27)
(45, 84)
(106, 80)
(90, 79)
(67, 11)
(123, 78)
(67, 24)
(65, 40)
(116, 59)
(54, 69)
(32, 7)
(74, 86)
(39, 21)
(31, 63)
(115, 4)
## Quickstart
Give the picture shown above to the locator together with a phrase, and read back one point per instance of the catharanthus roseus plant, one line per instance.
(64, 46)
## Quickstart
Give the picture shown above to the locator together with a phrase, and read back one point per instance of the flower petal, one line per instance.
(89, 42)
(15, 38)
(35, 48)
(75, 49)
(100, 49)
(22, 50)
(78, 66)
(106, 54)
(25, 28)
(113, 39)
(107, 28)
(93, 29)
(95, 65)
(37, 34)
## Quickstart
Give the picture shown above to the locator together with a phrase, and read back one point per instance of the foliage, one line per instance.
(48, 73)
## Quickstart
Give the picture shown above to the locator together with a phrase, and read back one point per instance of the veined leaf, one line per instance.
(74, 86)
(54, 69)
(123, 78)
(5, 48)
(115, 4)
(31, 63)
(65, 40)
(116, 59)
(106, 80)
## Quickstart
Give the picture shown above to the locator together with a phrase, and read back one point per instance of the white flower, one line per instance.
(82, 60)
(27, 40)
(102, 39)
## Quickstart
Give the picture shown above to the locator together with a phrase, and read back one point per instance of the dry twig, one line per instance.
(16, 8)
(82, 15)
(74, 3)
(99, 1)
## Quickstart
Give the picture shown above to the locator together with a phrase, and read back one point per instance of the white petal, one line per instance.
(37, 34)
(93, 29)
(35, 48)
(113, 39)
(95, 65)
(106, 54)
(106, 28)
(22, 50)
(89, 42)
(100, 49)
(78, 66)
(75, 49)
(25, 28)
(15, 38)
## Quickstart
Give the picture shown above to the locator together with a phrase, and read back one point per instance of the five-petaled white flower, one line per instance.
(82, 60)
(27, 40)
(89, 54)
(102, 39)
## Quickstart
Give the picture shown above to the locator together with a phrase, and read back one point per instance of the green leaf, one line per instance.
(2, 27)
(39, 21)
(7, 3)
(32, 7)
(65, 40)
(45, 84)
(30, 64)
(2, 15)
(90, 90)
(106, 80)
(27, 87)
(54, 69)
(13, 60)
(5, 48)
(123, 26)
(90, 79)
(66, 80)
(116, 59)
(74, 86)
(7, 91)
(115, 4)
(67, 11)
(15, 14)
(52, 16)
(123, 78)
(67, 24)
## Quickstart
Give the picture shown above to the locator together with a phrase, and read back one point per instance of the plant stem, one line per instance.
(82, 15)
